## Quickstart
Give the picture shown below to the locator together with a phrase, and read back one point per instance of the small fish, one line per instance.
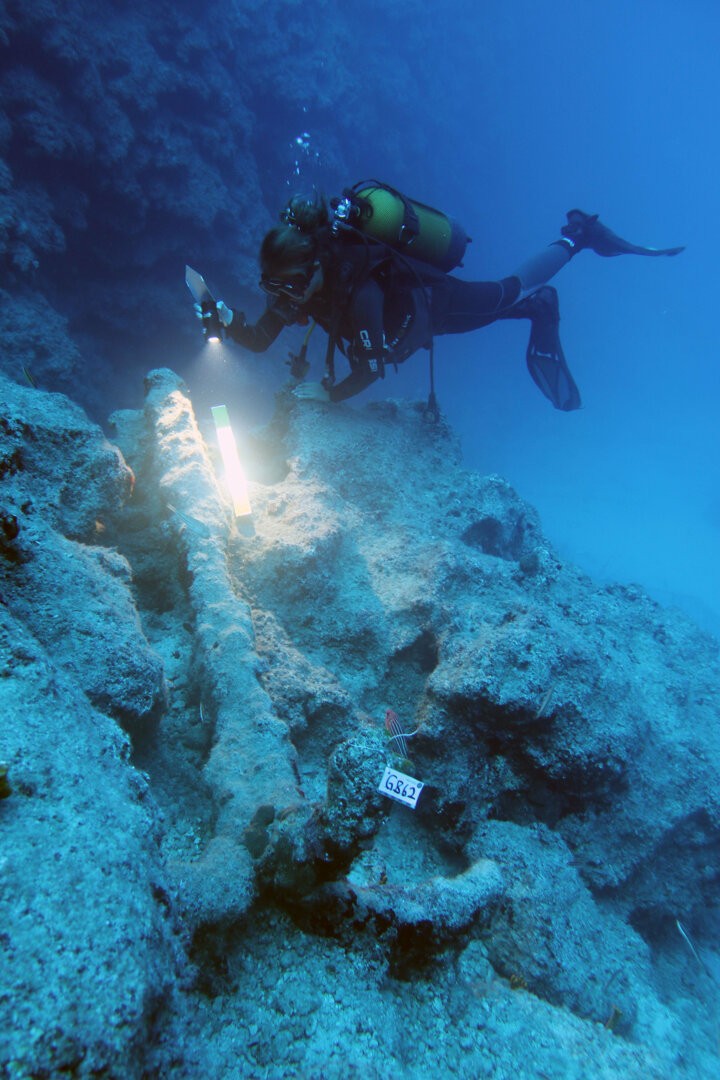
(192, 523)
(395, 731)
(542, 707)
(29, 377)
(686, 938)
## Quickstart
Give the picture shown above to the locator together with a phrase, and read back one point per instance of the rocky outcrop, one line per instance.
(88, 947)
(62, 485)
(565, 735)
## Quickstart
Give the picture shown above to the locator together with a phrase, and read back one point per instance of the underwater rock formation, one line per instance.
(62, 482)
(566, 736)
(87, 941)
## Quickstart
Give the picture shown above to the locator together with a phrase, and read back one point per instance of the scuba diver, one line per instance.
(372, 271)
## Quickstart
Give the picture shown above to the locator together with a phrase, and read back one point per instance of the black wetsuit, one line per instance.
(380, 307)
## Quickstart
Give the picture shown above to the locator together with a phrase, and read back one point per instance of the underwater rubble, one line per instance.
(200, 873)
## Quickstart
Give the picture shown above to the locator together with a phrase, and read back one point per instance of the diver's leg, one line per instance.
(543, 266)
(457, 307)
(583, 232)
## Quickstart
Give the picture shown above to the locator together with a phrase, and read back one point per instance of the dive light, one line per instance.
(211, 321)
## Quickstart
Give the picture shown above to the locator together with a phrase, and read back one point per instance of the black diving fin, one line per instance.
(588, 232)
(545, 357)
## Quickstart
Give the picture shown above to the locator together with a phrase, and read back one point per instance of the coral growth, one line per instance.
(567, 745)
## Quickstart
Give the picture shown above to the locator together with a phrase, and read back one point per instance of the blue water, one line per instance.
(609, 107)
(518, 113)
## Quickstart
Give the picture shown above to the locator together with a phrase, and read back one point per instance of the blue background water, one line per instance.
(608, 107)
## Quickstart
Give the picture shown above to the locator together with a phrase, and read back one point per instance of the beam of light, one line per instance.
(234, 475)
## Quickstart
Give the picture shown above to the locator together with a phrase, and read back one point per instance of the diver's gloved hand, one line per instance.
(586, 231)
(225, 314)
(311, 391)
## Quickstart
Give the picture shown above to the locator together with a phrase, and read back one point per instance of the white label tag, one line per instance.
(397, 785)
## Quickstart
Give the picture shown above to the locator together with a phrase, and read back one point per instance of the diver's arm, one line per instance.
(358, 380)
(260, 336)
(367, 348)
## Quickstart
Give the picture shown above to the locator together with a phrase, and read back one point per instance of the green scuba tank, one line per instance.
(410, 227)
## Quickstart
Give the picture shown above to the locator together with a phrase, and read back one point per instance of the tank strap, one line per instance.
(410, 227)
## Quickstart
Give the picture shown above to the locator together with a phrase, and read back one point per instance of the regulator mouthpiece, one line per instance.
(343, 211)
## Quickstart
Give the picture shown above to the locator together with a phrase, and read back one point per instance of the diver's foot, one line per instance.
(587, 231)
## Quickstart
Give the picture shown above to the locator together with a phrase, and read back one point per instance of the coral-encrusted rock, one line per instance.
(86, 942)
(570, 704)
(35, 342)
(309, 843)
(550, 935)
(250, 765)
(500, 523)
(59, 463)
(564, 733)
(62, 481)
(419, 919)
(90, 626)
(540, 698)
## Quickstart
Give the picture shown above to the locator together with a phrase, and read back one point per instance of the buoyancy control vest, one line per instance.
(375, 211)
(382, 213)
